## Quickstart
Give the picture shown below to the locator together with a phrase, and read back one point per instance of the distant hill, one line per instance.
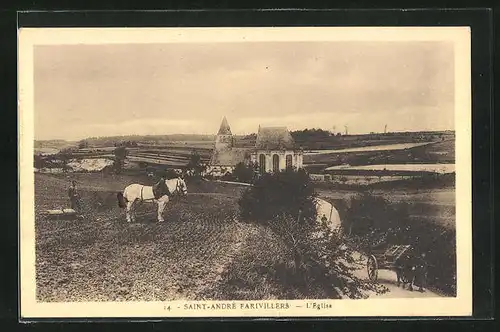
(320, 139)
(53, 144)
(147, 139)
(307, 138)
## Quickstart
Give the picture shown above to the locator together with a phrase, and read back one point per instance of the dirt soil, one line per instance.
(102, 258)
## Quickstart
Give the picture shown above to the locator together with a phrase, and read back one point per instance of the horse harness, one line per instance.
(161, 189)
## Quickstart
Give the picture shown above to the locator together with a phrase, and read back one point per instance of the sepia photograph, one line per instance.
(196, 172)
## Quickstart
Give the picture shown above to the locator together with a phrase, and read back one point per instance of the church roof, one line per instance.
(274, 138)
(224, 128)
(229, 157)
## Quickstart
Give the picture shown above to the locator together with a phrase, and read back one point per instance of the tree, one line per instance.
(170, 174)
(243, 173)
(83, 144)
(195, 164)
(120, 156)
(64, 156)
(39, 161)
(290, 192)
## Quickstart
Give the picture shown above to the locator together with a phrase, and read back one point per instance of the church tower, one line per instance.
(224, 139)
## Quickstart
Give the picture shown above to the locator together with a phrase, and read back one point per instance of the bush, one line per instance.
(228, 176)
(288, 192)
(243, 173)
(195, 164)
(368, 212)
(170, 174)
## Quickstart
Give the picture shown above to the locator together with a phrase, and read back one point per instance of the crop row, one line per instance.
(164, 155)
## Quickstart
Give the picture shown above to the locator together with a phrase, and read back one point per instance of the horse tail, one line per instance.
(121, 200)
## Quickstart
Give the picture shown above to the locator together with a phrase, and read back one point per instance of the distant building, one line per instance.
(224, 139)
(274, 150)
(225, 156)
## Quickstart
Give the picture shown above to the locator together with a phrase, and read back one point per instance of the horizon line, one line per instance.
(243, 134)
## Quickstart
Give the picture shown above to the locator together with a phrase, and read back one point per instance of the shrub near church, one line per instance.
(289, 192)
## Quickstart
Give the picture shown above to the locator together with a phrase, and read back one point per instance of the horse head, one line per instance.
(181, 187)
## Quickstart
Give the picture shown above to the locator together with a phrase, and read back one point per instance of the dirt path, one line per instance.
(215, 272)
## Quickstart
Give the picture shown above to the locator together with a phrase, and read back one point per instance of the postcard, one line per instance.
(245, 172)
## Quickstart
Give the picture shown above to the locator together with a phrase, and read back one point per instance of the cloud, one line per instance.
(104, 89)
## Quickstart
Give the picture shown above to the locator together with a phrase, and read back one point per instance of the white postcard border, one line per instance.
(458, 306)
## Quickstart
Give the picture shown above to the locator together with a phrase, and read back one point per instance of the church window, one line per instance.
(289, 161)
(276, 163)
(262, 163)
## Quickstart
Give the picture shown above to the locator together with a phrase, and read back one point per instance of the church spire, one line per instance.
(224, 128)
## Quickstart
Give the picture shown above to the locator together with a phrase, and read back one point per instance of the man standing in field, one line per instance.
(74, 197)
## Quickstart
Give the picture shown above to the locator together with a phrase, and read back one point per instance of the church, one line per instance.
(274, 150)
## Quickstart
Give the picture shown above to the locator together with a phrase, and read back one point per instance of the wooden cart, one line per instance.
(385, 258)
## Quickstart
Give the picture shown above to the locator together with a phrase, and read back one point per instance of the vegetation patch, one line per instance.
(312, 261)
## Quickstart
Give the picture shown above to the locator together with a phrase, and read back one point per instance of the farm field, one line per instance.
(435, 168)
(387, 147)
(46, 151)
(435, 204)
(201, 252)
(415, 153)
(89, 260)
(367, 179)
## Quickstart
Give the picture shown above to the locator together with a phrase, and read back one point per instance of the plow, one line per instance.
(62, 214)
(90, 204)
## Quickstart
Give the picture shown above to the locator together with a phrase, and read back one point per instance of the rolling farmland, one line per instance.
(385, 147)
(431, 168)
(424, 153)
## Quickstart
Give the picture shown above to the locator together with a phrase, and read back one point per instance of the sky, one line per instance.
(157, 89)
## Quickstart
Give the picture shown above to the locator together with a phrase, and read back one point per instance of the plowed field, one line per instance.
(201, 251)
(103, 258)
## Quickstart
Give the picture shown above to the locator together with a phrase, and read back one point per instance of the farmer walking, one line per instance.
(74, 197)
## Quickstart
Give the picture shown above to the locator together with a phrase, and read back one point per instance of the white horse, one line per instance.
(138, 193)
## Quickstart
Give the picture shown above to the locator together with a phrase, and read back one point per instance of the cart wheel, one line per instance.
(372, 268)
